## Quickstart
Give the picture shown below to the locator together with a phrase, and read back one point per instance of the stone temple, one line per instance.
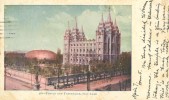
(106, 45)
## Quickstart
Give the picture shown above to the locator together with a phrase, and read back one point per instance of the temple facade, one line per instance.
(106, 45)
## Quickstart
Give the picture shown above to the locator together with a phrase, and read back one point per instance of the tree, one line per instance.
(123, 64)
(59, 57)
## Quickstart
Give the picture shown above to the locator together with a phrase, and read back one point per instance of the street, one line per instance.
(15, 84)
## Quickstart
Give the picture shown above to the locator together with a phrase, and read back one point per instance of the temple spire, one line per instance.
(102, 20)
(68, 25)
(83, 35)
(75, 22)
(109, 16)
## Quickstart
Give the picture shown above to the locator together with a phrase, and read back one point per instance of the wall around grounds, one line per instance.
(24, 76)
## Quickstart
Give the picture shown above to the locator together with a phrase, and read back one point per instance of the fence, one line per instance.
(121, 86)
(79, 78)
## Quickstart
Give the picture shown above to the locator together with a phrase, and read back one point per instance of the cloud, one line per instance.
(59, 17)
(114, 10)
(90, 20)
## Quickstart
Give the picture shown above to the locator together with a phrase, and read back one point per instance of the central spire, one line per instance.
(109, 16)
(75, 22)
(115, 22)
(102, 20)
(68, 25)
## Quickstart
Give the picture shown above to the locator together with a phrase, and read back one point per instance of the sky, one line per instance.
(33, 27)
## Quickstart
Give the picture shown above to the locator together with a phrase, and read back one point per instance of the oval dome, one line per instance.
(41, 54)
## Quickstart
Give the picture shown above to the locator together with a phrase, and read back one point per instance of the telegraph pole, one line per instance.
(58, 75)
(88, 79)
(37, 85)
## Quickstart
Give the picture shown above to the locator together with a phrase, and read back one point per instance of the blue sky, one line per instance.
(43, 27)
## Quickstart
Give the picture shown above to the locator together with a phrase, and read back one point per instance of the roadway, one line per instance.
(15, 84)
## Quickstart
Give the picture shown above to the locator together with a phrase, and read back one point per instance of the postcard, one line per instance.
(101, 50)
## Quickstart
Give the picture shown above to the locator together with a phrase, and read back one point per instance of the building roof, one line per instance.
(41, 54)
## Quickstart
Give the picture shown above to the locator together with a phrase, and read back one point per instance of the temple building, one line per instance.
(106, 45)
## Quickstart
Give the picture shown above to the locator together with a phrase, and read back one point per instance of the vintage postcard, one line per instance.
(101, 50)
(70, 47)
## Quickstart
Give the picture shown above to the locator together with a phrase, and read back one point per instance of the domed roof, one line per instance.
(41, 54)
